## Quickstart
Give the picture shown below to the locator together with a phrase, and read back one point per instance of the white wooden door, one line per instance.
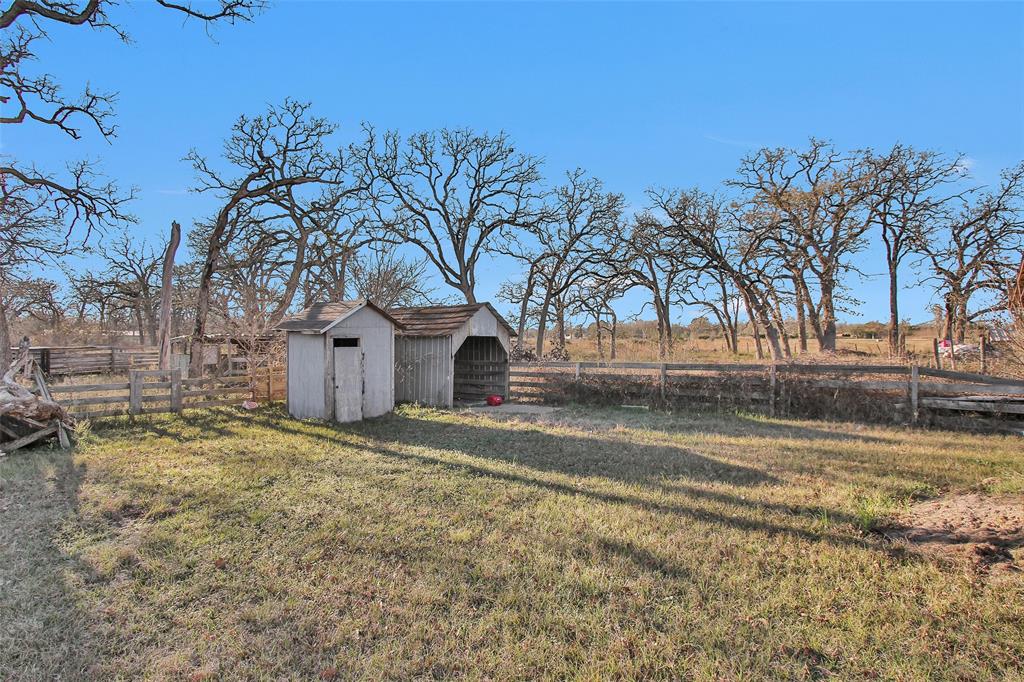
(348, 384)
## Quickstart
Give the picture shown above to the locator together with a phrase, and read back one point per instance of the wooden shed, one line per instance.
(341, 360)
(448, 354)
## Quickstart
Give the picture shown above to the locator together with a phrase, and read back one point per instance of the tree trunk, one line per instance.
(214, 246)
(801, 322)
(166, 284)
(137, 311)
(542, 322)
(524, 306)
(615, 329)
(5, 337)
(894, 314)
(758, 348)
(828, 313)
(560, 323)
(600, 337)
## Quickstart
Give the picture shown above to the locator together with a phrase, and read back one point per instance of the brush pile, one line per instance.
(27, 417)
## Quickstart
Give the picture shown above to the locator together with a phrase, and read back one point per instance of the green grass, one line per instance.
(598, 544)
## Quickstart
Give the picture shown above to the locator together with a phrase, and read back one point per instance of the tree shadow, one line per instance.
(731, 424)
(582, 456)
(637, 501)
(47, 636)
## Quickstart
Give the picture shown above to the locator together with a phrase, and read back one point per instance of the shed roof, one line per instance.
(441, 320)
(320, 317)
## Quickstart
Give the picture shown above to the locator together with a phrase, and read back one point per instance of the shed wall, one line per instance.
(306, 369)
(423, 370)
(376, 339)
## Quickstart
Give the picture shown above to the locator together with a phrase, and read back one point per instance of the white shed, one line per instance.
(449, 354)
(341, 360)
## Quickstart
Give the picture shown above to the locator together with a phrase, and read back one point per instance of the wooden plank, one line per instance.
(224, 390)
(971, 377)
(973, 405)
(933, 388)
(863, 385)
(98, 400)
(850, 369)
(89, 388)
(13, 445)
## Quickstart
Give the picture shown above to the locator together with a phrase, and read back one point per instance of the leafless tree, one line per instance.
(451, 194)
(279, 168)
(390, 280)
(131, 273)
(566, 246)
(45, 213)
(716, 234)
(975, 251)
(906, 204)
(817, 200)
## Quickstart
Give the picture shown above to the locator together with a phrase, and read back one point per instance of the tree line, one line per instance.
(301, 219)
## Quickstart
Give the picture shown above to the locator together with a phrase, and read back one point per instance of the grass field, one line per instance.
(591, 544)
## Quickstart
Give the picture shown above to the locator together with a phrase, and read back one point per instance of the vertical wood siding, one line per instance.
(306, 368)
(423, 370)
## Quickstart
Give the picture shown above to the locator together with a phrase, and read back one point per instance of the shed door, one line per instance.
(348, 383)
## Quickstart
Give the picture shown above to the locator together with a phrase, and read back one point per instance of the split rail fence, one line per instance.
(783, 389)
(154, 391)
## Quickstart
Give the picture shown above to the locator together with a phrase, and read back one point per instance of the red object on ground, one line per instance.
(495, 400)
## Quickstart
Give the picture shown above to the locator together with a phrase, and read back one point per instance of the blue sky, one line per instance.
(638, 94)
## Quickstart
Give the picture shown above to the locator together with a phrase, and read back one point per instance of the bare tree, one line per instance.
(716, 235)
(131, 273)
(451, 194)
(905, 205)
(391, 281)
(46, 213)
(166, 287)
(272, 158)
(975, 251)
(817, 201)
(568, 244)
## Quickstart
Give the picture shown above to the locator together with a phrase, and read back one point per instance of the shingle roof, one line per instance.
(441, 320)
(320, 317)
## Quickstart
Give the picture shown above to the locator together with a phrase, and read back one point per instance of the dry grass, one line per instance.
(606, 544)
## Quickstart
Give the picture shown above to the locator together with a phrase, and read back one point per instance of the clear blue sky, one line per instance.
(637, 94)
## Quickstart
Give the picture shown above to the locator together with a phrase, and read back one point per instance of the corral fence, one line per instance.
(78, 360)
(154, 391)
(876, 392)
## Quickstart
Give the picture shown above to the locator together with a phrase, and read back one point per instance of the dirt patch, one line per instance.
(982, 530)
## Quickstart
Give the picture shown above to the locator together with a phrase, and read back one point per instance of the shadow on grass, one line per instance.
(45, 634)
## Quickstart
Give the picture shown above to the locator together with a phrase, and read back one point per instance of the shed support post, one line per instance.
(772, 381)
(982, 350)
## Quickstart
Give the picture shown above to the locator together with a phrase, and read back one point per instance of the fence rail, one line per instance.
(155, 391)
(909, 389)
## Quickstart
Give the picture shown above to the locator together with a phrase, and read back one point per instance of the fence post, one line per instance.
(952, 355)
(176, 401)
(134, 392)
(915, 380)
(579, 370)
(663, 380)
(772, 381)
(935, 352)
(113, 361)
(981, 350)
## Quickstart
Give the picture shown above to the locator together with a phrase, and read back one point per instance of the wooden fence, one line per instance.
(910, 390)
(79, 360)
(153, 391)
